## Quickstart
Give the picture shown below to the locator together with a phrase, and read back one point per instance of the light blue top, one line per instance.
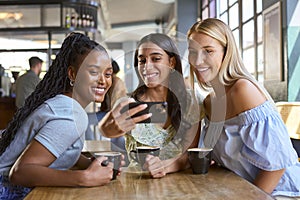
(255, 139)
(59, 125)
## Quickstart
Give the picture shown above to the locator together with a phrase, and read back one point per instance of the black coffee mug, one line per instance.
(140, 153)
(200, 159)
(112, 156)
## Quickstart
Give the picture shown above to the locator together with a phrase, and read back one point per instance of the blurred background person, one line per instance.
(118, 88)
(26, 83)
(15, 75)
(4, 82)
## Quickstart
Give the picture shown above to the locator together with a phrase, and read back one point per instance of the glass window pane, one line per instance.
(212, 9)
(224, 18)
(236, 37)
(259, 29)
(258, 6)
(204, 3)
(231, 2)
(223, 5)
(247, 9)
(248, 34)
(51, 15)
(21, 16)
(234, 16)
(205, 13)
(248, 58)
(260, 63)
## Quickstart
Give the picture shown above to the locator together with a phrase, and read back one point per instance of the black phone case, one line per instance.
(159, 111)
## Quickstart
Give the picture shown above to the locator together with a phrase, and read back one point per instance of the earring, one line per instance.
(172, 70)
(71, 83)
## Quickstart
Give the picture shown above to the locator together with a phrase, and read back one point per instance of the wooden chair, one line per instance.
(290, 114)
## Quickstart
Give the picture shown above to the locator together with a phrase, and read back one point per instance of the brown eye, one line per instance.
(208, 51)
(94, 72)
(108, 75)
(156, 59)
(141, 61)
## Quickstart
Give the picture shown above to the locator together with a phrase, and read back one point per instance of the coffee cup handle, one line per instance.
(132, 155)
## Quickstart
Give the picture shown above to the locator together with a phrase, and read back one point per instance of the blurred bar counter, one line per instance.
(7, 110)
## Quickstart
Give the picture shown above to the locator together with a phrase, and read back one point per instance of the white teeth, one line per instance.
(99, 90)
(150, 75)
(202, 69)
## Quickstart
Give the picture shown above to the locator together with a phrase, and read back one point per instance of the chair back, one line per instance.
(290, 114)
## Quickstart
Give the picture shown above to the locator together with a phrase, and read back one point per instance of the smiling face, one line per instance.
(153, 65)
(94, 78)
(205, 56)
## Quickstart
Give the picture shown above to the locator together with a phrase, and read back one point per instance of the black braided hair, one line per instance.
(74, 49)
(177, 94)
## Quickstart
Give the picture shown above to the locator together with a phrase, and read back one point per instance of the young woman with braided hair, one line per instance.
(45, 138)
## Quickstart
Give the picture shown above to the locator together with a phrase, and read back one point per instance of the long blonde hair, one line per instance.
(232, 67)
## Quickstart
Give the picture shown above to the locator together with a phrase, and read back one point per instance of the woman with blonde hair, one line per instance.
(241, 123)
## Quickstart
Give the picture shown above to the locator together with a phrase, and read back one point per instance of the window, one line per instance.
(208, 9)
(247, 9)
(244, 17)
(233, 16)
(248, 34)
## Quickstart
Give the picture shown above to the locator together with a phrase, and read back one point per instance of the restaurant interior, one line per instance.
(267, 33)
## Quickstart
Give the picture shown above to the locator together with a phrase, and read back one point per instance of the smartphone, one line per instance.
(159, 111)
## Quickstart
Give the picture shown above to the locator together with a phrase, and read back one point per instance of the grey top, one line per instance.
(25, 85)
(59, 125)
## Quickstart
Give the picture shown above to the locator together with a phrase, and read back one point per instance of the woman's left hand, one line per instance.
(155, 166)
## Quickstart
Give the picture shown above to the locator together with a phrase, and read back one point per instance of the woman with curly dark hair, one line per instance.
(45, 137)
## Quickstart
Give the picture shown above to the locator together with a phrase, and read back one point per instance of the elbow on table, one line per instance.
(16, 177)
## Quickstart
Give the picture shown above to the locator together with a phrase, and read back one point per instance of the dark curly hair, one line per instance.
(74, 49)
(177, 96)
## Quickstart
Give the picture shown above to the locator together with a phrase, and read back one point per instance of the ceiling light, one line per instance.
(11, 15)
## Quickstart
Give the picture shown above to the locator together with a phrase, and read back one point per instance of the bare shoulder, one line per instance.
(246, 95)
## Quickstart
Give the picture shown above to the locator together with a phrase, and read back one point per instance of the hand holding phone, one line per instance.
(159, 111)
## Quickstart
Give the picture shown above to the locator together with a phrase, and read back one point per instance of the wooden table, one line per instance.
(217, 184)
